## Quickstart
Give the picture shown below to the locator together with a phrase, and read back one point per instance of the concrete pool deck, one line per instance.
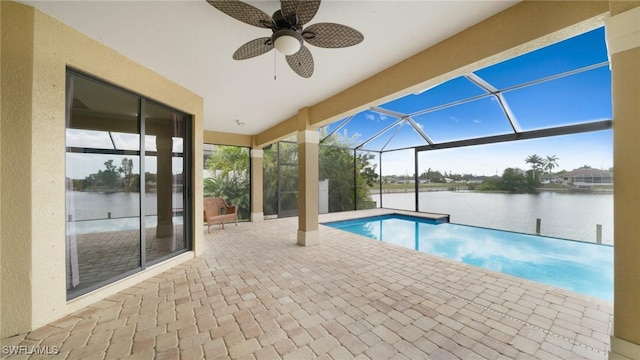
(255, 294)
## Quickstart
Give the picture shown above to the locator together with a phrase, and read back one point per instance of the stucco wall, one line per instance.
(37, 49)
(223, 138)
(17, 60)
(624, 50)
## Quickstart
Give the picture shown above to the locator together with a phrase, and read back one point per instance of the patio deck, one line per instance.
(255, 294)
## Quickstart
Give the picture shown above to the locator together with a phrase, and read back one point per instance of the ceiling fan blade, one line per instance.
(304, 9)
(253, 48)
(246, 13)
(331, 35)
(301, 62)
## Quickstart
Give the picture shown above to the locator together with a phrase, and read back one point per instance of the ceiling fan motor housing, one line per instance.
(281, 23)
(287, 41)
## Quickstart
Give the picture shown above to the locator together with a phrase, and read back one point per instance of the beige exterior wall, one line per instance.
(15, 155)
(257, 197)
(36, 49)
(223, 138)
(616, 6)
(307, 184)
(623, 41)
(281, 131)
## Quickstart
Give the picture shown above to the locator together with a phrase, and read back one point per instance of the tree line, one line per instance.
(350, 177)
(114, 178)
(516, 180)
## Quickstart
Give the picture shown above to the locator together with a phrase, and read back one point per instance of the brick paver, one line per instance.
(255, 294)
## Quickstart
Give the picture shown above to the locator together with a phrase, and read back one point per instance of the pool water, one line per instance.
(586, 268)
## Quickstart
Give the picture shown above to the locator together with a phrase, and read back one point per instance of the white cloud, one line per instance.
(377, 117)
(88, 138)
(126, 141)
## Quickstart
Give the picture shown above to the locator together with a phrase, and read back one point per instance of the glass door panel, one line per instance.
(164, 182)
(102, 199)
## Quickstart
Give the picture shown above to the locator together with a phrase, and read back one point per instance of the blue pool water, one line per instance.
(585, 268)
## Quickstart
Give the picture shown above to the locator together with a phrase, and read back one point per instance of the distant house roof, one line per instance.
(587, 173)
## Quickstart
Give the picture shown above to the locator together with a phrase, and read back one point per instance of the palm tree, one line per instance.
(536, 164)
(550, 163)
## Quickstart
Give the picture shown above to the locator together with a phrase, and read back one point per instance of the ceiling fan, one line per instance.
(288, 35)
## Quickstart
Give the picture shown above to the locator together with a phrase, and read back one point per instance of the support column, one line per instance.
(19, 280)
(623, 42)
(308, 187)
(257, 213)
(164, 145)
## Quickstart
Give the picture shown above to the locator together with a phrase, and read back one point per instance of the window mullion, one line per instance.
(143, 154)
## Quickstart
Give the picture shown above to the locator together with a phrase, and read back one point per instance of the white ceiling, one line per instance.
(191, 43)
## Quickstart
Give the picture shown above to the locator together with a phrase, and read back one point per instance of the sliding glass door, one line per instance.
(118, 201)
(164, 211)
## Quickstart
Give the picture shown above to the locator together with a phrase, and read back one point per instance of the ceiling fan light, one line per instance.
(287, 42)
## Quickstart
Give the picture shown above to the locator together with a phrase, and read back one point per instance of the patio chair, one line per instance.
(217, 211)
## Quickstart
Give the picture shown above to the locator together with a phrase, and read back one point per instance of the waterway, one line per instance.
(564, 215)
(87, 205)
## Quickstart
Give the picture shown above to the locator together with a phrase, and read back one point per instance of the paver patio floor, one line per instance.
(255, 294)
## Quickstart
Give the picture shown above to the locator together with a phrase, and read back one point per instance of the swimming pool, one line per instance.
(582, 267)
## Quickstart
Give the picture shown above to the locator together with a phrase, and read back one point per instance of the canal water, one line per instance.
(564, 215)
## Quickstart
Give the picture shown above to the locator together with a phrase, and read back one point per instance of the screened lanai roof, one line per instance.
(560, 89)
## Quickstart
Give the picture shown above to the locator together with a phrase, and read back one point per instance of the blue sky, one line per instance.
(578, 98)
(594, 149)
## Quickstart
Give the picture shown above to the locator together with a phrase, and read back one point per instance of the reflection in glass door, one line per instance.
(164, 182)
(102, 197)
